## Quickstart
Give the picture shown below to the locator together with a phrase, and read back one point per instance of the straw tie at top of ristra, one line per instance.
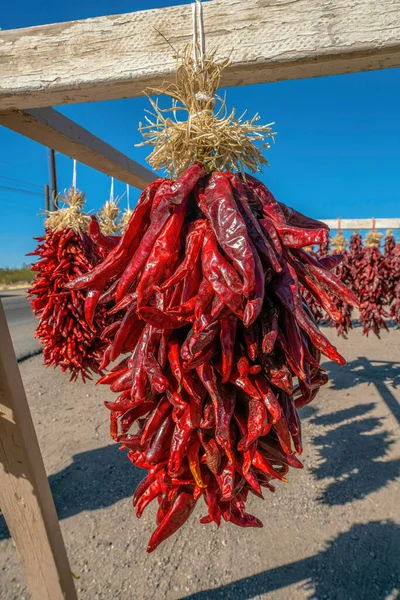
(217, 349)
(198, 125)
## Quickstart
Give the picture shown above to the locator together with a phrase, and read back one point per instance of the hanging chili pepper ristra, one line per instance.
(66, 252)
(390, 267)
(395, 306)
(223, 351)
(344, 272)
(372, 284)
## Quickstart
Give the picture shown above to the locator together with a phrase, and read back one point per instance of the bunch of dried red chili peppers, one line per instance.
(395, 307)
(372, 283)
(344, 272)
(372, 276)
(71, 340)
(217, 349)
(208, 274)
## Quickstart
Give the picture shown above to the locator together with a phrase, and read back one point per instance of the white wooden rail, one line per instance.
(267, 40)
(356, 224)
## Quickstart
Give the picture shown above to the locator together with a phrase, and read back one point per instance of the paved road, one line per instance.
(21, 322)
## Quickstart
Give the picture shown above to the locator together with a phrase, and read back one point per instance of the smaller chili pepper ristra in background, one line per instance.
(372, 279)
(344, 272)
(395, 306)
(390, 266)
(66, 251)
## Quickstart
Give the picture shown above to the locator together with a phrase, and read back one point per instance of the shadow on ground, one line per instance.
(93, 480)
(354, 444)
(353, 449)
(373, 372)
(360, 564)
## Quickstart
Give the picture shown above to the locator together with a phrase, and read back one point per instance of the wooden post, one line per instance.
(47, 197)
(25, 496)
(53, 175)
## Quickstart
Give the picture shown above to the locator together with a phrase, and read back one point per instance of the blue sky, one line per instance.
(337, 151)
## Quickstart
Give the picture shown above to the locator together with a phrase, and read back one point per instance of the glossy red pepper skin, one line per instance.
(255, 231)
(227, 340)
(222, 276)
(160, 254)
(194, 243)
(287, 290)
(297, 237)
(256, 298)
(230, 229)
(175, 517)
(106, 242)
(328, 278)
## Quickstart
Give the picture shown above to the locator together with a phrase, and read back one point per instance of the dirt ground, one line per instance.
(332, 533)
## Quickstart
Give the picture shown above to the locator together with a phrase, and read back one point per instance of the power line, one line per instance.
(21, 181)
(20, 191)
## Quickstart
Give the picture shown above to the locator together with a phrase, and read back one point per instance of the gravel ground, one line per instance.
(332, 533)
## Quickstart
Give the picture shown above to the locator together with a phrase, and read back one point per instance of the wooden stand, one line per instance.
(25, 496)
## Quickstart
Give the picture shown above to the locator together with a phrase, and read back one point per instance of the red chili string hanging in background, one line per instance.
(372, 285)
(344, 272)
(390, 267)
(66, 252)
(395, 306)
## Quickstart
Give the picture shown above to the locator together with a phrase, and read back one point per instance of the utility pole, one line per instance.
(53, 176)
(47, 197)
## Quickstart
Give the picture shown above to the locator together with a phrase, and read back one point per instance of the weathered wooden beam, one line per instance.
(25, 496)
(356, 224)
(267, 40)
(51, 128)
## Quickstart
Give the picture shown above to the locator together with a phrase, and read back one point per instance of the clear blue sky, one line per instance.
(337, 152)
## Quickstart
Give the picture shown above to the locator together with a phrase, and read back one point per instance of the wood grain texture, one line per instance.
(355, 224)
(267, 40)
(51, 128)
(25, 496)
